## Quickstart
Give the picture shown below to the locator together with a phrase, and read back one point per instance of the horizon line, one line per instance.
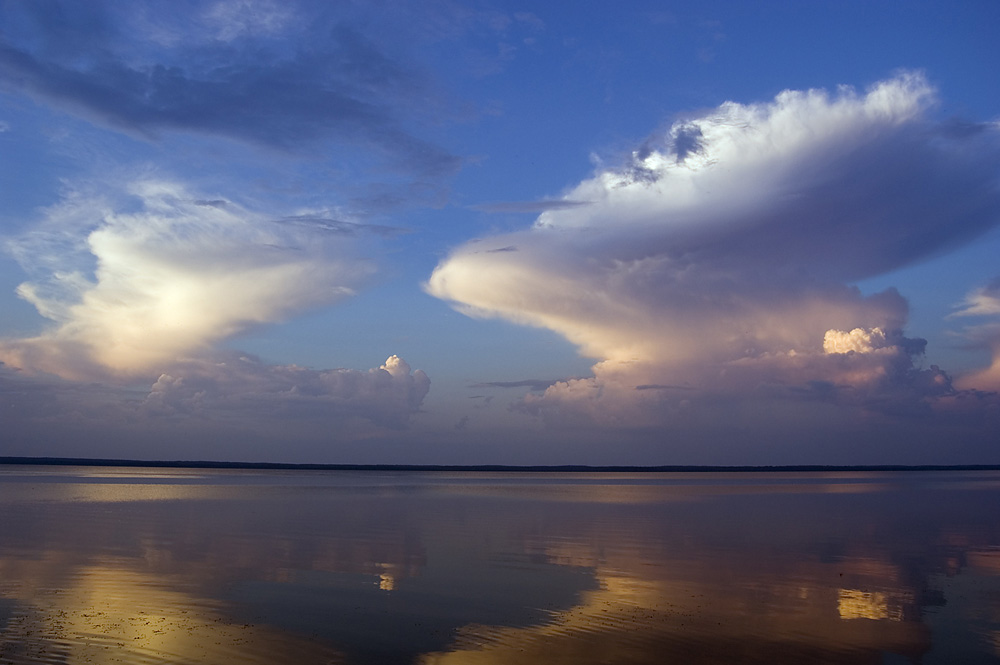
(555, 468)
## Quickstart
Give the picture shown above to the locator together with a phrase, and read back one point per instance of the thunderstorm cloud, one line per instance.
(145, 284)
(722, 255)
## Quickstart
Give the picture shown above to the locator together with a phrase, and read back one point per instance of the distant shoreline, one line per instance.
(560, 468)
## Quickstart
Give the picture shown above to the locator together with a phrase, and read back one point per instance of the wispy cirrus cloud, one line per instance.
(721, 255)
(983, 303)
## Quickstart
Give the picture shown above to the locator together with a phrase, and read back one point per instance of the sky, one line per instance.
(439, 232)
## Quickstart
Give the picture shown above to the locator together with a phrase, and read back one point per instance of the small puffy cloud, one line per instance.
(138, 281)
(857, 340)
(720, 256)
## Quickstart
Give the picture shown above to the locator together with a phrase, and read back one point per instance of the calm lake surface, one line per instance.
(129, 565)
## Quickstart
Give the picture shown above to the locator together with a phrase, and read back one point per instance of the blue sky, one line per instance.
(656, 233)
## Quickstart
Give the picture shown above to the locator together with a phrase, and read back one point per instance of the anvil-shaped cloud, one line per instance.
(720, 257)
(146, 284)
(173, 275)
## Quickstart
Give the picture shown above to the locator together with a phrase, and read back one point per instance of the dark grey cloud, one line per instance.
(533, 384)
(341, 227)
(337, 84)
(660, 386)
(527, 206)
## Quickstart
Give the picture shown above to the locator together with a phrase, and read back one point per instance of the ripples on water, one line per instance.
(105, 565)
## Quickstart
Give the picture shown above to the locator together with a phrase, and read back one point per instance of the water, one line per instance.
(126, 565)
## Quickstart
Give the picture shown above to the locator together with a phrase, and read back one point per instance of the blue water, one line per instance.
(137, 565)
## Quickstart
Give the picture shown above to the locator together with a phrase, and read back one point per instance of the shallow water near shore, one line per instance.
(134, 565)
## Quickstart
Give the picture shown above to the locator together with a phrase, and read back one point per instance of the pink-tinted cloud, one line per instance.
(720, 257)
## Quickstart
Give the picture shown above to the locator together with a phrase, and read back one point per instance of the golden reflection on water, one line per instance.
(95, 491)
(858, 604)
(692, 610)
(111, 613)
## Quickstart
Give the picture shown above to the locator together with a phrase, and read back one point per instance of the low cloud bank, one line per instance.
(241, 385)
(231, 404)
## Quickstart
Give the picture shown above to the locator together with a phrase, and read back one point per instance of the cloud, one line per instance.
(857, 341)
(526, 206)
(533, 384)
(241, 387)
(230, 403)
(139, 279)
(721, 254)
(227, 71)
(983, 302)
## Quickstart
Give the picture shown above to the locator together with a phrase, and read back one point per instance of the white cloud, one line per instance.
(857, 340)
(983, 302)
(720, 256)
(133, 284)
(236, 18)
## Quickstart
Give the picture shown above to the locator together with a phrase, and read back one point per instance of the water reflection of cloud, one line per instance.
(695, 612)
(502, 568)
(858, 604)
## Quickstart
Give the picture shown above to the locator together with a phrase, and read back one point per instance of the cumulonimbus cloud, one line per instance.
(142, 285)
(721, 255)
(137, 282)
